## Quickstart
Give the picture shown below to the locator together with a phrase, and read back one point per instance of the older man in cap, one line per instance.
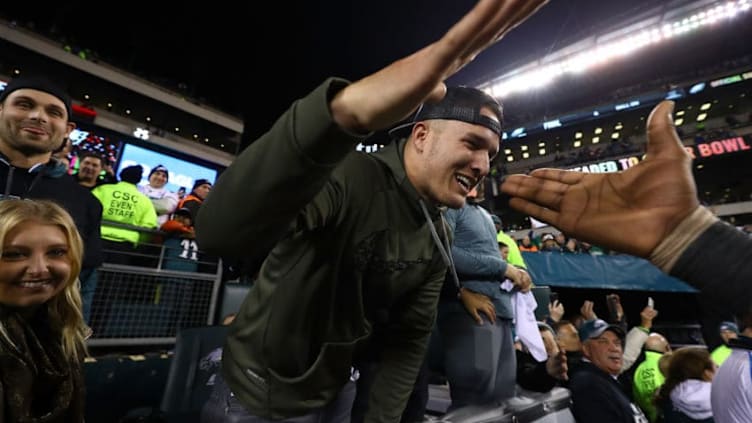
(597, 396)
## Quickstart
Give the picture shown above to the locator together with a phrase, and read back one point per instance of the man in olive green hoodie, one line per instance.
(356, 250)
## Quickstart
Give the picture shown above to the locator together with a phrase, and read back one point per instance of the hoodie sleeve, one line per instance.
(474, 263)
(263, 190)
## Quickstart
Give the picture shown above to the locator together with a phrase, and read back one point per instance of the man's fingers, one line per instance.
(535, 210)
(663, 141)
(486, 23)
(567, 177)
(477, 317)
(525, 283)
(491, 314)
(543, 186)
(540, 194)
(515, 13)
(465, 39)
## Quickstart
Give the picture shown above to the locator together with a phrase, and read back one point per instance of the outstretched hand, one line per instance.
(390, 95)
(630, 211)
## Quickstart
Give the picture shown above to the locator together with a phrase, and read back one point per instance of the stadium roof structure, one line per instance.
(123, 102)
(672, 42)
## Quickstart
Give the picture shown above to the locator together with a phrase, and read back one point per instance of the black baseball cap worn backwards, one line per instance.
(460, 103)
(39, 83)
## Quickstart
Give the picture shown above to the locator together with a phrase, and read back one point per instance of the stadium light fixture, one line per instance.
(543, 72)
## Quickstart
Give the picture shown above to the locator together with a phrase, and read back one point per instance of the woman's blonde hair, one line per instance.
(65, 315)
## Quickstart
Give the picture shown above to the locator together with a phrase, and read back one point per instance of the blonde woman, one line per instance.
(42, 332)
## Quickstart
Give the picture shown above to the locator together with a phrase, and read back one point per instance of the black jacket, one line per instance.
(599, 398)
(48, 182)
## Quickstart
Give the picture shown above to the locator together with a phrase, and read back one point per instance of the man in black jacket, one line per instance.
(34, 122)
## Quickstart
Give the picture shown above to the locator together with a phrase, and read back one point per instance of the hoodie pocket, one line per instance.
(319, 385)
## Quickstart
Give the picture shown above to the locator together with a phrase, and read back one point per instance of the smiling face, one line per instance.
(448, 158)
(89, 169)
(605, 351)
(158, 179)
(35, 264)
(32, 124)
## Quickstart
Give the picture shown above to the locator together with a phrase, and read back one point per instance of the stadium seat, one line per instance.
(198, 353)
(195, 363)
(231, 297)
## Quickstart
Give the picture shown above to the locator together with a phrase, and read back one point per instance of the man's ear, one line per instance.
(586, 349)
(419, 136)
(70, 126)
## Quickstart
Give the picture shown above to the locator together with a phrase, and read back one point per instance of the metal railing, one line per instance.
(147, 293)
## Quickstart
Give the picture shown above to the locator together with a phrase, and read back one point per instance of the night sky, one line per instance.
(253, 60)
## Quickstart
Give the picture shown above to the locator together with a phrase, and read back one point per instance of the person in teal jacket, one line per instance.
(355, 245)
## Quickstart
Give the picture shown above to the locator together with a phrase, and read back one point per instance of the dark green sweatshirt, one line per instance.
(351, 253)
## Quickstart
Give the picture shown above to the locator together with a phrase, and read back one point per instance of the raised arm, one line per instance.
(391, 94)
(258, 196)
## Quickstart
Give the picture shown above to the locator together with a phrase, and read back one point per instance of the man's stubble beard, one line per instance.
(32, 150)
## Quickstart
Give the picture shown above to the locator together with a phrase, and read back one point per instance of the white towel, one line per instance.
(525, 325)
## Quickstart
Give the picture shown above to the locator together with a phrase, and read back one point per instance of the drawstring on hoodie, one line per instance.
(443, 249)
(38, 170)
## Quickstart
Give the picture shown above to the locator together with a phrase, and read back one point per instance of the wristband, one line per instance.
(667, 253)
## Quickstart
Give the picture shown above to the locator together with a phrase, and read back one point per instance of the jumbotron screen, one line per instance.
(182, 172)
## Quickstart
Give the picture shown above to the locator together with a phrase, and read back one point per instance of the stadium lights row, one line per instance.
(598, 135)
(519, 81)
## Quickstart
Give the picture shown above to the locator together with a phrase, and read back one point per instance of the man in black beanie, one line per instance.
(35, 121)
(192, 201)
